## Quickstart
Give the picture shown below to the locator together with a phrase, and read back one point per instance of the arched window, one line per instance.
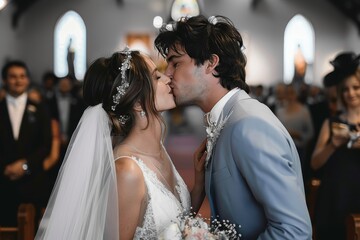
(70, 46)
(299, 50)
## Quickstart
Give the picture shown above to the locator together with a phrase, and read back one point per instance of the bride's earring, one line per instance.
(142, 113)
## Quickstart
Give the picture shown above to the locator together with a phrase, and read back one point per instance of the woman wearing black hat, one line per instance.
(337, 153)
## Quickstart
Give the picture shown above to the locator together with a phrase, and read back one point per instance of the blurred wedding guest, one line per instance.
(323, 109)
(337, 153)
(2, 93)
(315, 95)
(25, 141)
(49, 81)
(258, 92)
(331, 94)
(277, 99)
(297, 120)
(52, 159)
(326, 106)
(68, 109)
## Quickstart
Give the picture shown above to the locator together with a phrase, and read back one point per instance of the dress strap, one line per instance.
(124, 156)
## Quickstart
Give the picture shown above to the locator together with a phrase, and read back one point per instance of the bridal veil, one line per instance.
(84, 202)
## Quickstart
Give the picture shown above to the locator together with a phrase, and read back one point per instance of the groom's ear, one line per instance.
(212, 63)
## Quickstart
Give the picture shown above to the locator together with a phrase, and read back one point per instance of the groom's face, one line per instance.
(186, 78)
(17, 81)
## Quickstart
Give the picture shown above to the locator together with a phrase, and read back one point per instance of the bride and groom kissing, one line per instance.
(248, 167)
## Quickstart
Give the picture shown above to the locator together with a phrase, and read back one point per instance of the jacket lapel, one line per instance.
(241, 95)
(24, 126)
(5, 119)
(208, 176)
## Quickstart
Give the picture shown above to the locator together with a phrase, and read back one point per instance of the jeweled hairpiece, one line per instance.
(212, 20)
(124, 84)
(123, 119)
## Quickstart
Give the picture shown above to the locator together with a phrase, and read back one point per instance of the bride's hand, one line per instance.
(198, 191)
(199, 158)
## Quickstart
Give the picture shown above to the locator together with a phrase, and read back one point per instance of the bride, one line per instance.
(117, 180)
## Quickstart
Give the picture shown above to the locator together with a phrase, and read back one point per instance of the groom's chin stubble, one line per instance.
(178, 102)
(182, 102)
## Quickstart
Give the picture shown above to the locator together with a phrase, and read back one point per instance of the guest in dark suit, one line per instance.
(25, 140)
(68, 108)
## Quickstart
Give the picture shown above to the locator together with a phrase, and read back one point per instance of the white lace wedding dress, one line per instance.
(163, 206)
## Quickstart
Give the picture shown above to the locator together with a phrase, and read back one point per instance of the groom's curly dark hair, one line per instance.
(201, 38)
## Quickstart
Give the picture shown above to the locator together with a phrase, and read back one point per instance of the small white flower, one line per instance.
(213, 132)
(193, 227)
(31, 108)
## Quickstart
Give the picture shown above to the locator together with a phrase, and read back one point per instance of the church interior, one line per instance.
(286, 42)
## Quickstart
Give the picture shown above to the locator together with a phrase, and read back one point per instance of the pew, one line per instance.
(26, 225)
(311, 197)
(353, 227)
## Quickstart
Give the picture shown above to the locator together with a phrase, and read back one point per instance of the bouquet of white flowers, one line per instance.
(193, 227)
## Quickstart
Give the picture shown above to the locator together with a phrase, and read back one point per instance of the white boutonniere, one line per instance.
(213, 132)
(31, 108)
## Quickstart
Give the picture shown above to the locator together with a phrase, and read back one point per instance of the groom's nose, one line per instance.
(168, 73)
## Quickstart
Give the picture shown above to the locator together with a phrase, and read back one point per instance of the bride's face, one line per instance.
(164, 98)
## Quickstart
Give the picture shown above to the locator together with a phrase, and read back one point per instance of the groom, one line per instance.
(253, 175)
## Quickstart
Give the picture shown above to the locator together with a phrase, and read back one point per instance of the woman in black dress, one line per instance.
(337, 154)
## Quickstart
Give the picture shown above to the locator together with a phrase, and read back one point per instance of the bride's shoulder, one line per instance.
(131, 186)
(127, 165)
(128, 173)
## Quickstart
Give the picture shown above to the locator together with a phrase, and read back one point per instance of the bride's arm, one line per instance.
(131, 194)
(198, 191)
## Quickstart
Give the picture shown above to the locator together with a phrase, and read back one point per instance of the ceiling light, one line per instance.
(3, 4)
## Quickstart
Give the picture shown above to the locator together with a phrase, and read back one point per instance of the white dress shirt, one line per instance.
(16, 107)
(64, 105)
(218, 107)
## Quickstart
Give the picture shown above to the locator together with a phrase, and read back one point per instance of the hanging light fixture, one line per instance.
(3, 4)
(183, 8)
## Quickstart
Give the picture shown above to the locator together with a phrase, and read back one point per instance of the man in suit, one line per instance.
(253, 173)
(66, 107)
(25, 141)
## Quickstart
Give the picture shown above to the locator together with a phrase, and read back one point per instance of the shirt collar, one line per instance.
(17, 100)
(217, 109)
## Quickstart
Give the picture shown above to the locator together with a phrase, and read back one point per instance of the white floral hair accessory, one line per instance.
(212, 20)
(124, 84)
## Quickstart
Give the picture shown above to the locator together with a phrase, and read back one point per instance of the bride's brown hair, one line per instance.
(104, 76)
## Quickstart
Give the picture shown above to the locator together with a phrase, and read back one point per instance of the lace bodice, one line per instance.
(162, 206)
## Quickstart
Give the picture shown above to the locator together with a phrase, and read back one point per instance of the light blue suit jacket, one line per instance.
(254, 176)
